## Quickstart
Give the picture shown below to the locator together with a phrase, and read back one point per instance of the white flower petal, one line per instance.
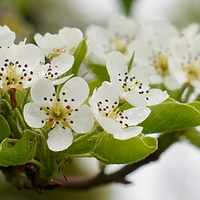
(33, 115)
(43, 89)
(28, 54)
(129, 133)
(116, 64)
(62, 63)
(39, 40)
(109, 125)
(135, 115)
(71, 37)
(156, 79)
(135, 99)
(59, 139)
(107, 94)
(7, 37)
(61, 80)
(156, 96)
(171, 83)
(142, 73)
(83, 119)
(76, 91)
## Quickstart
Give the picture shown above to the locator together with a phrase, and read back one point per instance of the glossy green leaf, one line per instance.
(100, 71)
(79, 56)
(171, 116)
(18, 152)
(113, 151)
(94, 84)
(83, 147)
(130, 64)
(4, 128)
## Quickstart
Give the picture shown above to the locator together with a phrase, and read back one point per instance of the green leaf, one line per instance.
(130, 64)
(4, 128)
(171, 116)
(83, 147)
(113, 151)
(99, 70)
(193, 136)
(127, 5)
(79, 56)
(94, 84)
(18, 152)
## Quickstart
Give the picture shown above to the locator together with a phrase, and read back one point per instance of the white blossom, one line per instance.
(133, 85)
(56, 68)
(152, 47)
(18, 66)
(121, 123)
(60, 115)
(118, 36)
(64, 42)
(7, 37)
(185, 62)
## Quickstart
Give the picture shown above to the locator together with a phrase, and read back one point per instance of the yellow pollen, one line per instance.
(56, 53)
(193, 72)
(161, 65)
(58, 113)
(12, 79)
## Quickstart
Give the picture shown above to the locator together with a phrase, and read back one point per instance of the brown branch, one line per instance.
(164, 141)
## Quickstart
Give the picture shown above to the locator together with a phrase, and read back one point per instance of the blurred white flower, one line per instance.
(152, 47)
(60, 115)
(190, 32)
(118, 36)
(133, 85)
(7, 37)
(185, 62)
(121, 123)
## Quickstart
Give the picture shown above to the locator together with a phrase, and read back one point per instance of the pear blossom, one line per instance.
(64, 42)
(152, 47)
(118, 36)
(190, 32)
(57, 67)
(185, 62)
(60, 115)
(133, 85)
(18, 66)
(121, 123)
(7, 37)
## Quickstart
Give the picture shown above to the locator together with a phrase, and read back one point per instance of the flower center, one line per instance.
(56, 53)
(120, 45)
(193, 72)
(57, 114)
(50, 74)
(110, 111)
(12, 75)
(129, 83)
(161, 65)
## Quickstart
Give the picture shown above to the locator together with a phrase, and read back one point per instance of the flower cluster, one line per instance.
(97, 95)
(172, 52)
(61, 104)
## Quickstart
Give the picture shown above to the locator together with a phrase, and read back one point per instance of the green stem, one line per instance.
(20, 118)
(86, 155)
(87, 135)
(39, 164)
